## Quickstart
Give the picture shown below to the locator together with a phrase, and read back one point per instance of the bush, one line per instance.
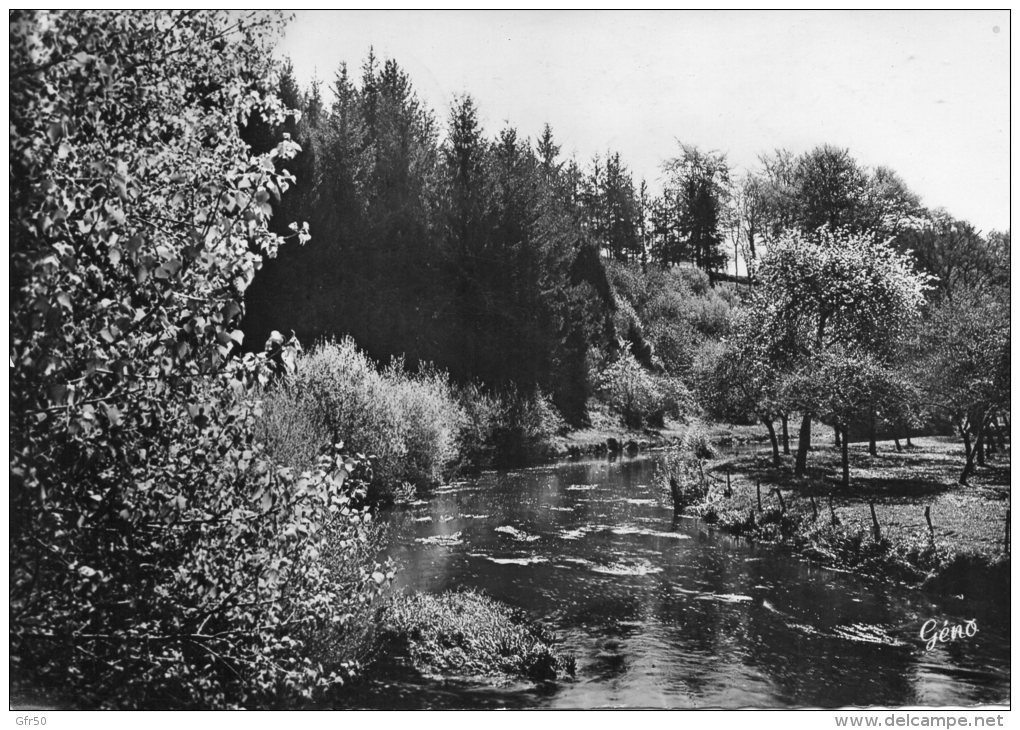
(507, 426)
(211, 577)
(466, 634)
(429, 419)
(291, 427)
(681, 473)
(676, 308)
(158, 558)
(409, 424)
(641, 398)
(681, 477)
(675, 343)
(628, 389)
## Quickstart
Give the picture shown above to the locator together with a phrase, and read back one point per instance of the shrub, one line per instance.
(429, 420)
(640, 397)
(681, 473)
(675, 399)
(506, 426)
(680, 476)
(211, 577)
(675, 344)
(291, 427)
(696, 443)
(409, 424)
(467, 634)
(158, 558)
(628, 389)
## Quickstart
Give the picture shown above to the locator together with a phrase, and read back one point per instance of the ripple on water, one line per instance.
(516, 534)
(575, 534)
(630, 567)
(640, 567)
(867, 634)
(531, 560)
(445, 540)
(635, 530)
(724, 597)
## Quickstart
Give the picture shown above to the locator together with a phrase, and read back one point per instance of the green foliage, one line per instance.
(835, 288)
(962, 364)
(640, 397)
(291, 428)
(846, 388)
(466, 252)
(681, 473)
(825, 187)
(693, 211)
(409, 424)
(467, 634)
(675, 310)
(507, 426)
(158, 557)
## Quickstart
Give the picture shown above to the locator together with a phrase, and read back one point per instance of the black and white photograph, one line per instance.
(407, 360)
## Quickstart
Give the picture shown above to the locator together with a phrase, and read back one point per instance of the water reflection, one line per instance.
(664, 614)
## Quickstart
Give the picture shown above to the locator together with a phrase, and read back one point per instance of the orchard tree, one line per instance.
(741, 385)
(158, 558)
(844, 388)
(833, 289)
(964, 367)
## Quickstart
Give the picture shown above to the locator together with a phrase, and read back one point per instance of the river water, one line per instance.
(675, 615)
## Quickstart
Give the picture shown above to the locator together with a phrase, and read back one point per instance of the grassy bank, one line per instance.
(594, 440)
(963, 552)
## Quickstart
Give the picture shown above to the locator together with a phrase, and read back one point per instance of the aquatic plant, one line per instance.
(466, 634)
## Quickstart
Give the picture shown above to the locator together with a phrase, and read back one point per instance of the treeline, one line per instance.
(486, 256)
(498, 260)
(468, 253)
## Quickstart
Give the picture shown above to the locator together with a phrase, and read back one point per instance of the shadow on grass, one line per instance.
(913, 475)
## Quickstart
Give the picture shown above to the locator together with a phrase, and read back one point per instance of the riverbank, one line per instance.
(964, 551)
(599, 439)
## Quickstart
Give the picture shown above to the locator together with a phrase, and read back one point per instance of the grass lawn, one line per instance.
(901, 484)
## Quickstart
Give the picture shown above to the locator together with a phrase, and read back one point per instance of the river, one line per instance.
(666, 614)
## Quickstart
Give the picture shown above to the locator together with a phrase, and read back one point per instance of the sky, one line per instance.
(923, 92)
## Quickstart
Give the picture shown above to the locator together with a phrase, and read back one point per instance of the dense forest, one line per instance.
(192, 511)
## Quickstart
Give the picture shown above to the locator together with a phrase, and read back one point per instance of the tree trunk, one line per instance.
(839, 442)
(872, 446)
(909, 444)
(876, 530)
(992, 443)
(786, 434)
(899, 448)
(803, 444)
(845, 459)
(773, 440)
(979, 449)
(968, 466)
